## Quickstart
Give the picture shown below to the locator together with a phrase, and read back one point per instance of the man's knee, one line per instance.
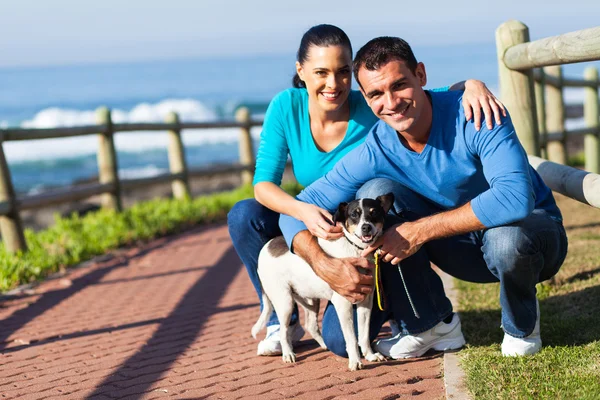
(405, 200)
(509, 249)
(376, 187)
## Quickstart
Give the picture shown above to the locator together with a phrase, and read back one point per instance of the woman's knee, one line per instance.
(247, 218)
(240, 214)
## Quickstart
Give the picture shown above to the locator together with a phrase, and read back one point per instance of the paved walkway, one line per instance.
(172, 319)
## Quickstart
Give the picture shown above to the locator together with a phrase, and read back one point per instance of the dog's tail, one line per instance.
(264, 315)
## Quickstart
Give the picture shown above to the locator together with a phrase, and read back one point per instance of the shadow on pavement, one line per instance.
(175, 333)
(53, 298)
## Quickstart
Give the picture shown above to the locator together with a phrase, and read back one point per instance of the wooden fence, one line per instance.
(536, 103)
(109, 185)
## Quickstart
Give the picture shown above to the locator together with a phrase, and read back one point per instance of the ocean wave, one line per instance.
(142, 172)
(189, 110)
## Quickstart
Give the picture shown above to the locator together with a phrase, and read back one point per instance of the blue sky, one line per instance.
(50, 32)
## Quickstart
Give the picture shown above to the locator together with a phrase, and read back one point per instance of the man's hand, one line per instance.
(397, 243)
(344, 277)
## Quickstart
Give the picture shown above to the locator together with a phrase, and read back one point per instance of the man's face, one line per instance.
(395, 94)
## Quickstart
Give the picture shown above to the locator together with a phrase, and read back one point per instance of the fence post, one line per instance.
(555, 116)
(10, 224)
(107, 160)
(516, 87)
(592, 115)
(246, 148)
(540, 106)
(177, 164)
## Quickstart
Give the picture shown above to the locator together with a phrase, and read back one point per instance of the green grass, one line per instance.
(577, 160)
(568, 367)
(75, 239)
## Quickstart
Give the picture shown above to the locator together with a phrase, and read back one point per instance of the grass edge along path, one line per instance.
(568, 366)
(75, 239)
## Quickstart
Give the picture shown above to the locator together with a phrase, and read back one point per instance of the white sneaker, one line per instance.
(271, 344)
(512, 346)
(441, 337)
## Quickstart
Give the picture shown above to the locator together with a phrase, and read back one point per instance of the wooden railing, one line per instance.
(109, 185)
(536, 103)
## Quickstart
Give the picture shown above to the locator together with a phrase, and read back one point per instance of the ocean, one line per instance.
(207, 89)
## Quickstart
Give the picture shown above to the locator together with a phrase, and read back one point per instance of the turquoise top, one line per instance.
(286, 130)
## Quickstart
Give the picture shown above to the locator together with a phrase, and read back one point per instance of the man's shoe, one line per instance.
(271, 344)
(443, 336)
(512, 346)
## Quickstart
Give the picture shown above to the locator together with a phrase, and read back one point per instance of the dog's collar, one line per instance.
(353, 244)
(347, 236)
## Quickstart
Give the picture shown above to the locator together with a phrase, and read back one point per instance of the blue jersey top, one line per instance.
(459, 164)
(286, 130)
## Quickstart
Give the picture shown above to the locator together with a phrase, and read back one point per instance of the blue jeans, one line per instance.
(251, 226)
(517, 255)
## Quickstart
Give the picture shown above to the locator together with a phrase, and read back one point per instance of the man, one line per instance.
(469, 202)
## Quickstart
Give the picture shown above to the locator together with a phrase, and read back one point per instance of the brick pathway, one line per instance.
(172, 319)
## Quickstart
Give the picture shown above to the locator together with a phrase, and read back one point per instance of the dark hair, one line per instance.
(322, 36)
(379, 51)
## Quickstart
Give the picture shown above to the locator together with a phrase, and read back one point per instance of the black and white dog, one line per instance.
(285, 278)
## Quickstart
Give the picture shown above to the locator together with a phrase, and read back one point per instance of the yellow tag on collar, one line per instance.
(377, 283)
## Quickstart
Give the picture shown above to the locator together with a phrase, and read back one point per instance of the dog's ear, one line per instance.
(340, 213)
(387, 201)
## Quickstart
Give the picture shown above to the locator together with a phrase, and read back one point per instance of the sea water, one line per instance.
(209, 89)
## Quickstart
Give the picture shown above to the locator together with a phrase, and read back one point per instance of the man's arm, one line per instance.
(341, 274)
(403, 240)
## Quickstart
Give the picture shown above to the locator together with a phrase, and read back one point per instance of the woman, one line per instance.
(316, 123)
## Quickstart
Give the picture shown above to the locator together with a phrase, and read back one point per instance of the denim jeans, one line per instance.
(518, 255)
(251, 226)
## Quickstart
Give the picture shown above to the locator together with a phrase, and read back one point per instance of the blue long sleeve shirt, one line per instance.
(459, 164)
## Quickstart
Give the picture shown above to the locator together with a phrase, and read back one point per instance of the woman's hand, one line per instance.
(319, 222)
(477, 97)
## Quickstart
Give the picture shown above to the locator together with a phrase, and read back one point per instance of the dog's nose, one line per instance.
(366, 229)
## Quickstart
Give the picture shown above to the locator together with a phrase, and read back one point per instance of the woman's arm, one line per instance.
(478, 97)
(318, 221)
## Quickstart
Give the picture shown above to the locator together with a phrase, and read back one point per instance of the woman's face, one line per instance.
(327, 73)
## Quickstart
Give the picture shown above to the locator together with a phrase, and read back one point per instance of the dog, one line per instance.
(285, 278)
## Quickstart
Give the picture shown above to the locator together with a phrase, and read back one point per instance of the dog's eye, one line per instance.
(355, 214)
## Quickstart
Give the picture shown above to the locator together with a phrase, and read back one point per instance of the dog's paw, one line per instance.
(373, 357)
(354, 365)
(289, 358)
